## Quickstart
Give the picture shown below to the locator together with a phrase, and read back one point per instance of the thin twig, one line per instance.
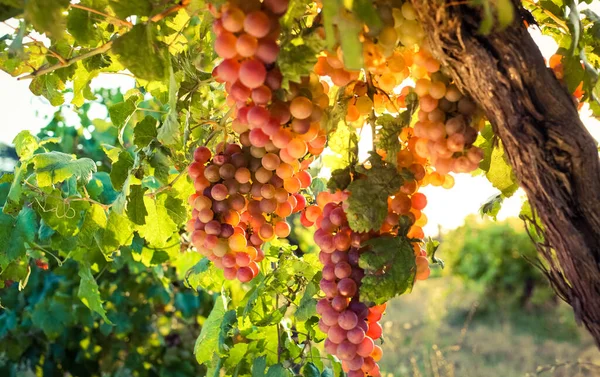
(175, 8)
(47, 69)
(114, 19)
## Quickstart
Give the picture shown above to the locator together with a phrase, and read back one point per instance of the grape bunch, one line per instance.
(247, 190)
(242, 201)
(351, 326)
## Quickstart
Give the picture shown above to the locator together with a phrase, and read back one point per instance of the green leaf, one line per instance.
(142, 53)
(492, 206)
(311, 370)
(81, 85)
(122, 111)
(7, 11)
(506, 12)
(176, 210)
(47, 15)
(432, 247)
(25, 144)
(52, 316)
(145, 131)
(308, 304)
(390, 269)
(389, 133)
(136, 208)
(350, 30)
(236, 354)
(94, 220)
(340, 179)
(16, 234)
(89, 293)
(170, 132)
(50, 86)
(118, 232)
(124, 9)
(204, 275)
(259, 366)
(366, 11)
(14, 198)
(59, 214)
(298, 57)
(330, 12)
(367, 204)
(159, 226)
(81, 24)
(278, 370)
(500, 173)
(213, 331)
(55, 167)
(121, 169)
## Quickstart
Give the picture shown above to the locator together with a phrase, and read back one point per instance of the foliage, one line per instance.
(153, 322)
(498, 256)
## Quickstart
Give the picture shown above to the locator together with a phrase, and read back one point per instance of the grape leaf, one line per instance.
(95, 219)
(259, 366)
(89, 293)
(136, 208)
(311, 370)
(159, 226)
(367, 204)
(121, 169)
(145, 131)
(298, 57)
(278, 370)
(81, 85)
(25, 144)
(81, 25)
(236, 354)
(340, 179)
(60, 215)
(390, 268)
(52, 316)
(308, 304)
(124, 9)
(50, 86)
(118, 232)
(16, 234)
(142, 53)
(500, 173)
(170, 132)
(210, 340)
(55, 167)
(47, 15)
(492, 206)
(122, 111)
(350, 30)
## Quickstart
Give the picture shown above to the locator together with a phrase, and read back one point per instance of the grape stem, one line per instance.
(114, 19)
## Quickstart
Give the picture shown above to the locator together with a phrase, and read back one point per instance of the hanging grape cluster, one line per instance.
(246, 191)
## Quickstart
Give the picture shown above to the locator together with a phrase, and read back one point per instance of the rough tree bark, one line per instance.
(553, 156)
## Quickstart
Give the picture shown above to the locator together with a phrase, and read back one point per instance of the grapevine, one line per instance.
(273, 154)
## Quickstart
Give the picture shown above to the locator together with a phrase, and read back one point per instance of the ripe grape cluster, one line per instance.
(247, 190)
(241, 201)
(351, 326)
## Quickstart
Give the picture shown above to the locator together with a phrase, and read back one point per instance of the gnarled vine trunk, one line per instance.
(553, 156)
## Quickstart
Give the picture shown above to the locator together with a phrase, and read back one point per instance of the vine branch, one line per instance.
(43, 70)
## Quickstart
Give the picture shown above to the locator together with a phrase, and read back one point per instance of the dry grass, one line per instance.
(440, 331)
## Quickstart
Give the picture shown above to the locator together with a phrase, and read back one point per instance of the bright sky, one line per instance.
(446, 209)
